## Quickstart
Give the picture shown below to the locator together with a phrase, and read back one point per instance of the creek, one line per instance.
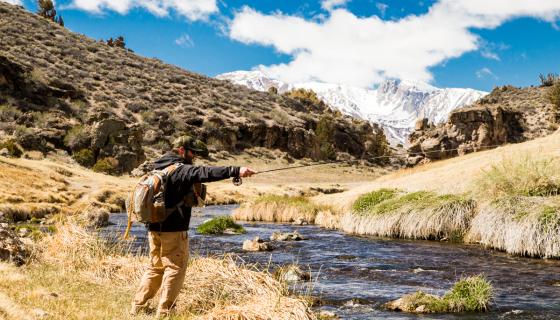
(354, 276)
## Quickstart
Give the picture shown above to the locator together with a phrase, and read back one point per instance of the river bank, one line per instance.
(509, 200)
(353, 276)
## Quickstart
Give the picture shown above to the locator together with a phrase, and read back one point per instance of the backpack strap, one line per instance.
(169, 171)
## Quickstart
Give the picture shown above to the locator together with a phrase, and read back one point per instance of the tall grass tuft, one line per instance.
(520, 211)
(219, 225)
(472, 294)
(416, 215)
(522, 177)
(528, 226)
(275, 208)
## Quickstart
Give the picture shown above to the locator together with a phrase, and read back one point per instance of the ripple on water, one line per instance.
(356, 275)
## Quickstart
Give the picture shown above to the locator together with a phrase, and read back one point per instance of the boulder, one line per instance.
(257, 244)
(12, 248)
(112, 138)
(292, 273)
(288, 236)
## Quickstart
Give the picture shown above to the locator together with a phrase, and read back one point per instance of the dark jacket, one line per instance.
(180, 183)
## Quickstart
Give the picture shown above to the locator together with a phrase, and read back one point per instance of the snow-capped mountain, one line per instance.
(394, 104)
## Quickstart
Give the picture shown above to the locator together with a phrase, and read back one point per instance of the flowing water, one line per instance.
(355, 275)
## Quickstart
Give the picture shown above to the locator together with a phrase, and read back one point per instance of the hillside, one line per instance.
(451, 175)
(62, 90)
(507, 115)
(395, 105)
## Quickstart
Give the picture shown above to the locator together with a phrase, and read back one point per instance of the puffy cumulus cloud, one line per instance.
(191, 9)
(331, 4)
(17, 2)
(362, 51)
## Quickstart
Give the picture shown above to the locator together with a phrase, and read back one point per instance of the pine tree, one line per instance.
(60, 21)
(119, 42)
(46, 9)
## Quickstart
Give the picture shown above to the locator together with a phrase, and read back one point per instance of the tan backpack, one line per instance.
(146, 202)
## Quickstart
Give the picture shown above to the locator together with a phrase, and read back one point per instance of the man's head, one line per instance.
(189, 147)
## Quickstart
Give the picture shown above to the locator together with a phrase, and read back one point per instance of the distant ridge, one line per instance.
(395, 105)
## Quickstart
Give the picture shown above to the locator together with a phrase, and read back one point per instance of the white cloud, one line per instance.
(16, 2)
(362, 51)
(184, 41)
(191, 9)
(331, 4)
(485, 72)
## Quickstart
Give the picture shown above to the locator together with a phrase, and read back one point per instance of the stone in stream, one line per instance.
(301, 221)
(325, 314)
(291, 273)
(288, 236)
(407, 305)
(257, 244)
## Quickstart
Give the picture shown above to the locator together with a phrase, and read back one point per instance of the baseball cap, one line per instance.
(190, 143)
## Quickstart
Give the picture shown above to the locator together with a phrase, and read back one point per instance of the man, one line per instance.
(168, 240)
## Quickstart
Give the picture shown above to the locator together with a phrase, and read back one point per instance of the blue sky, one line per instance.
(449, 43)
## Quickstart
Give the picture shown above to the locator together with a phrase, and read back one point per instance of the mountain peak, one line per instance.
(395, 104)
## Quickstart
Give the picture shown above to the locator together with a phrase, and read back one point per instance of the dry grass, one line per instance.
(273, 208)
(220, 289)
(417, 215)
(528, 226)
(520, 176)
(35, 188)
(92, 279)
(453, 176)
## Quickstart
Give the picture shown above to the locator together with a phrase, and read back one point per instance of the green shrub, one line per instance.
(77, 138)
(8, 113)
(84, 157)
(218, 225)
(324, 138)
(554, 94)
(272, 90)
(387, 201)
(106, 165)
(368, 201)
(13, 148)
(522, 177)
(307, 97)
(472, 294)
(469, 294)
(548, 80)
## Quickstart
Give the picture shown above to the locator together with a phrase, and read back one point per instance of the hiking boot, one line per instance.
(162, 314)
(138, 309)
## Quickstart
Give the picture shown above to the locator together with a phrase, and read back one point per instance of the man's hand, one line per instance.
(246, 172)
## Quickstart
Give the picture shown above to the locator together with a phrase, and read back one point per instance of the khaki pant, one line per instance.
(169, 254)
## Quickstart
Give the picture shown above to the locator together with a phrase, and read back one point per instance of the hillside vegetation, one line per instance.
(63, 90)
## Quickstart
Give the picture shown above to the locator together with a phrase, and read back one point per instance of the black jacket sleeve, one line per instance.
(193, 174)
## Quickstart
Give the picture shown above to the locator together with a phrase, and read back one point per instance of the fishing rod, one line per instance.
(237, 181)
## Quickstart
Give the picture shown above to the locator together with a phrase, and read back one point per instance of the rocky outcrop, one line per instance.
(112, 137)
(12, 248)
(507, 115)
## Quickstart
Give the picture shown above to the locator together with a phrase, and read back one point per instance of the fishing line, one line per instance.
(237, 181)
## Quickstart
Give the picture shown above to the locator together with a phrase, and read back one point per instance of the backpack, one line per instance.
(146, 202)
